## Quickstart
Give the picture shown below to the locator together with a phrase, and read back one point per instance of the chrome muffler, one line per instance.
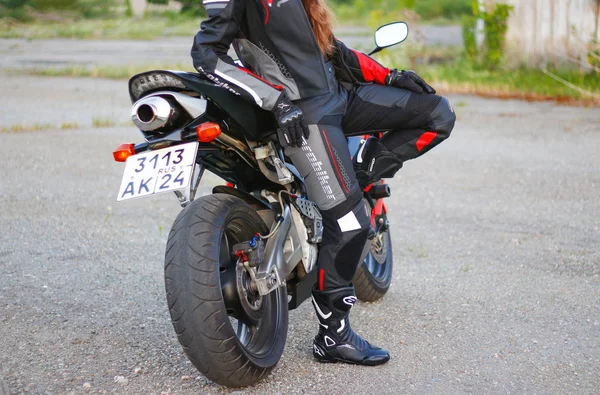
(151, 113)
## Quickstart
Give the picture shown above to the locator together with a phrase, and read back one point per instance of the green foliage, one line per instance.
(19, 14)
(469, 24)
(13, 4)
(14, 9)
(495, 22)
(495, 28)
(128, 9)
(86, 8)
(191, 7)
(148, 28)
(372, 13)
(448, 9)
(48, 5)
(594, 52)
(370, 10)
(520, 82)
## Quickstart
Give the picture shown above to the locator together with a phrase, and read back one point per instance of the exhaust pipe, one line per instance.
(151, 113)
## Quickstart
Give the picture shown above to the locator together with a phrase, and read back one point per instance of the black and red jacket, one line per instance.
(275, 43)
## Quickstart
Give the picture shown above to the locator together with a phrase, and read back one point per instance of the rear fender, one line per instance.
(263, 208)
(254, 202)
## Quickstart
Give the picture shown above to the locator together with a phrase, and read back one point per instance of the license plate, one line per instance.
(153, 172)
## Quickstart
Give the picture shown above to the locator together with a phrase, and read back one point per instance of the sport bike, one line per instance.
(239, 259)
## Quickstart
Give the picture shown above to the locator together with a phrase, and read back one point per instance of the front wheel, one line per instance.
(231, 334)
(374, 275)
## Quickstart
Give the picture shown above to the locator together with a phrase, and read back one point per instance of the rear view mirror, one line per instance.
(391, 34)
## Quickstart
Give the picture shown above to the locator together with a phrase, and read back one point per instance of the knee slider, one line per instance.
(444, 118)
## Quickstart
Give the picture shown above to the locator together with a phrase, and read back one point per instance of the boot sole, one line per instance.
(361, 363)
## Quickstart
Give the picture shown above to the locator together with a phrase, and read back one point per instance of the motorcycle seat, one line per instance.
(243, 117)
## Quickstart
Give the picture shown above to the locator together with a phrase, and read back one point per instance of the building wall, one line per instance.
(558, 31)
(138, 7)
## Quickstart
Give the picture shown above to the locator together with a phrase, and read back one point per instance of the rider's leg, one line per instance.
(417, 123)
(325, 164)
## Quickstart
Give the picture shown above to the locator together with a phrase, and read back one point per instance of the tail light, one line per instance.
(208, 131)
(123, 152)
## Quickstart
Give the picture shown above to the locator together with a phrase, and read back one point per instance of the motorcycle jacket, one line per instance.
(275, 43)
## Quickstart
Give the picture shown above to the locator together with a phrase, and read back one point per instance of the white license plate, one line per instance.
(153, 172)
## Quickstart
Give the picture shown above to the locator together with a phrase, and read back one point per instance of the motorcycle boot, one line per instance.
(336, 341)
(374, 161)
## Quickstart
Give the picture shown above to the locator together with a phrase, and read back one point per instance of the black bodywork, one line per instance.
(237, 118)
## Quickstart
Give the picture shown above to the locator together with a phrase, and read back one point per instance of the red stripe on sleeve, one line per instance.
(425, 139)
(371, 70)
(278, 87)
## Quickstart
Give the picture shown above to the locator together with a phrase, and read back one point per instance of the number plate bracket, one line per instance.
(187, 195)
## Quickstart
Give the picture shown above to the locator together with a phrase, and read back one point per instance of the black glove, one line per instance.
(291, 123)
(408, 80)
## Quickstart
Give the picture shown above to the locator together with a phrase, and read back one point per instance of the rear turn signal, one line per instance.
(208, 131)
(123, 152)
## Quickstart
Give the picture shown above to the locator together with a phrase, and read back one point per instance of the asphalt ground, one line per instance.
(496, 238)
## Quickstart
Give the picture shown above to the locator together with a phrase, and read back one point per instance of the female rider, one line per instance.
(318, 89)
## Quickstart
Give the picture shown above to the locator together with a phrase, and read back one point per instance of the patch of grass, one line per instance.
(108, 213)
(442, 21)
(115, 29)
(110, 72)
(36, 127)
(99, 122)
(69, 125)
(459, 76)
(466, 268)
(529, 84)
(379, 12)
(422, 251)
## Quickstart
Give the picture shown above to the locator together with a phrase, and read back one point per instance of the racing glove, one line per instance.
(408, 80)
(290, 121)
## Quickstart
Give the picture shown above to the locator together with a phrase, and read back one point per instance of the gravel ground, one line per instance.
(496, 254)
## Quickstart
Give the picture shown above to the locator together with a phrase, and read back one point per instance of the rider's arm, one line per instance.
(209, 54)
(361, 66)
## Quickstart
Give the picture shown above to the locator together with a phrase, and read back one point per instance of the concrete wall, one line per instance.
(138, 7)
(543, 31)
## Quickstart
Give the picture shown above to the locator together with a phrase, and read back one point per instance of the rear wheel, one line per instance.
(232, 335)
(374, 275)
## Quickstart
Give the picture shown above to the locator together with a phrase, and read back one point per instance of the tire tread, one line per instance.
(194, 296)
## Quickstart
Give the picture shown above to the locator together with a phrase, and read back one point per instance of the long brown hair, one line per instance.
(320, 18)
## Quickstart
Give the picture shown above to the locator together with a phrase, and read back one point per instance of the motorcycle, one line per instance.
(240, 258)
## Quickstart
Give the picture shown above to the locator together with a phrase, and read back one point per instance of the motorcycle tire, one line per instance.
(225, 343)
(374, 275)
